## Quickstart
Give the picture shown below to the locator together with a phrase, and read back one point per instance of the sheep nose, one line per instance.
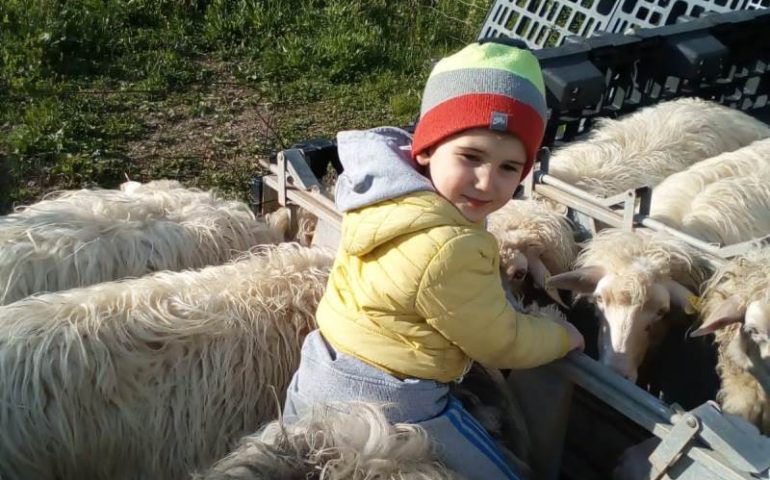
(519, 274)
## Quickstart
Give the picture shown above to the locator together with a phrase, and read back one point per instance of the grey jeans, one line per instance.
(325, 375)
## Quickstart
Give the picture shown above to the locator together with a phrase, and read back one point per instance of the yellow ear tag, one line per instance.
(693, 304)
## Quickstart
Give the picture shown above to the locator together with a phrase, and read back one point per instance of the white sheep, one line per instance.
(648, 145)
(155, 376)
(635, 279)
(533, 240)
(673, 197)
(721, 210)
(300, 230)
(736, 307)
(731, 210)
(354, 442)
(83, 237)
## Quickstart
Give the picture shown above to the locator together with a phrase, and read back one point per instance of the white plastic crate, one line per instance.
(543, 23)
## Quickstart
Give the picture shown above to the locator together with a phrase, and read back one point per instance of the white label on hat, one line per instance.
(499, 121)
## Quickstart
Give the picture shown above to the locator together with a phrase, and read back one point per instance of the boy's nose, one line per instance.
(483, 179)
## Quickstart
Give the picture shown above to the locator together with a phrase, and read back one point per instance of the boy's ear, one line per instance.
(423, 159)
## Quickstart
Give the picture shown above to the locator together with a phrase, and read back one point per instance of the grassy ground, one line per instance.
(95, 91)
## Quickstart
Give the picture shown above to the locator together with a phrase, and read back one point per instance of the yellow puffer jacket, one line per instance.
(416, 291)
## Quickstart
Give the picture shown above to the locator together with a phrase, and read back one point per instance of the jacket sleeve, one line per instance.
(462, 297)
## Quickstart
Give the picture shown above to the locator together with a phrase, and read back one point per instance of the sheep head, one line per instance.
(517, 261)
(534, 240)
(749, 348)
(632, 304)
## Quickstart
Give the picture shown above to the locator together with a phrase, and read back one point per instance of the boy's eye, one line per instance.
(470, 157)
(511, 167)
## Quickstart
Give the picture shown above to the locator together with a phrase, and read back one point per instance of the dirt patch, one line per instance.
(211, 134)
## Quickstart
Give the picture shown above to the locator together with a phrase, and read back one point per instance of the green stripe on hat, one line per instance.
(496, 56)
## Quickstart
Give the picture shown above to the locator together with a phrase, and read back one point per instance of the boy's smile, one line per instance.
(477, 170)
(475, 202)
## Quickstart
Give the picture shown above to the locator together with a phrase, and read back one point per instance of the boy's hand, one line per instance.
(576, 340)
(551, 312)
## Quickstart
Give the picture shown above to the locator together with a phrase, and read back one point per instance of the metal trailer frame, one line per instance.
(725, 58)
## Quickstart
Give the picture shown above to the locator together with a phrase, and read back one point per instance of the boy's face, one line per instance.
(477, 170)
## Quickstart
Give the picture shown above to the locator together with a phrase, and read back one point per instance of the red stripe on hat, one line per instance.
(475, 111)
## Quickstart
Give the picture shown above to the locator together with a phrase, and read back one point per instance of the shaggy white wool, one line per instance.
(354, 442)
(648, 145)
(671, 200)
(83, 237)
(746, 279)
(156, 376)
(730, 210)
(530, 224)
(304, 225)
(639, 258)
(636, 270)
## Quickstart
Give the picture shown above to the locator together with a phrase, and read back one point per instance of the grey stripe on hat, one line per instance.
(466, 81)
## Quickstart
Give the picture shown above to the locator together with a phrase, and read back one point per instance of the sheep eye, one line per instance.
(662, 312)
(750, 330)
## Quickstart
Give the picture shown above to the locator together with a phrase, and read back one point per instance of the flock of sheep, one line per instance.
(144, 331)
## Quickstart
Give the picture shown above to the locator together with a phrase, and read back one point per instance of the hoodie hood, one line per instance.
(382, 193)
(378, 166)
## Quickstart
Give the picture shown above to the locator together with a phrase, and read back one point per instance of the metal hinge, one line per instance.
(674, 445)
(736, 441)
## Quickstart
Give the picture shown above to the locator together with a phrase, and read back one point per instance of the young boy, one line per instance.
(415, 295)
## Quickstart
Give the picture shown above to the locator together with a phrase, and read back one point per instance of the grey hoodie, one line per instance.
(378, 166)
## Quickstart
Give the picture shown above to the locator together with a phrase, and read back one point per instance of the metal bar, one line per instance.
(662, 227)
(714, 463)
(613, 200)
(671, 448)
(581, 205)
(639, 406)
(280, 186)
(298, 172)
(315, 203)
(737, 440)
(566, 187)
(624, 396)
(735, 249)
(597, 207)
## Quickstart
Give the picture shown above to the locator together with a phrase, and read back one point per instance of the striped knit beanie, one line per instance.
(485, 85)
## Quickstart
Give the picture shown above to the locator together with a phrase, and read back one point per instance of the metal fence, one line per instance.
(546, 23)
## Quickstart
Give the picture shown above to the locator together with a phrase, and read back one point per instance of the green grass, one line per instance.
(93, 91)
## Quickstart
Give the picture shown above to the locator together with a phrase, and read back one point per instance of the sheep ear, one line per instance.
(582, 280)
(682, 297)
(728, 312)
(540, 276)
(279, 220)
